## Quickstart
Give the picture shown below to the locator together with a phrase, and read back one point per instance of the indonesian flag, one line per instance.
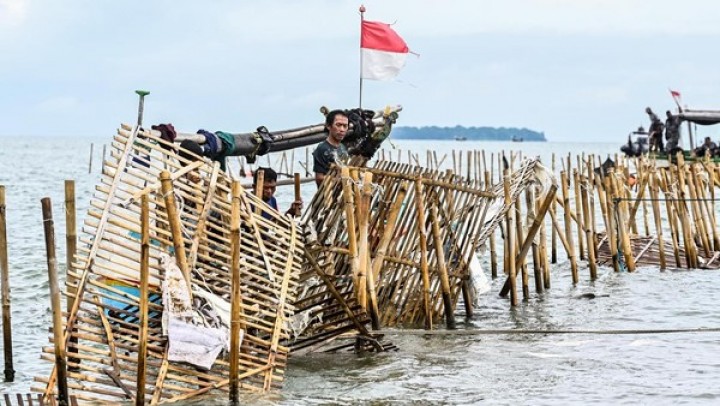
(383, 51)
(676, 96)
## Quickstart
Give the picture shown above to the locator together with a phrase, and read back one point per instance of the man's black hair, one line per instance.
(330, 118)
(269, 175)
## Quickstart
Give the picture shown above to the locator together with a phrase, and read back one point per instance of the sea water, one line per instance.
(678, 368)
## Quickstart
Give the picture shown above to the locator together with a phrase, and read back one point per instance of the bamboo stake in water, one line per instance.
(60, 360)
(5, 279)
(143, 308)
(420, 212)
(656, 215)
(235, 299)
(70, 249)
(91, 157)
(442, 267)
(568, 227)
(510, 240)
(553, 232)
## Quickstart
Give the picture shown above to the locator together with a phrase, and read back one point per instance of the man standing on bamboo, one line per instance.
(655, 132)
(331, 151)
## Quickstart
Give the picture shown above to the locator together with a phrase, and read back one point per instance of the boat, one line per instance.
(516, 139)
(638, 142)
(460, 138)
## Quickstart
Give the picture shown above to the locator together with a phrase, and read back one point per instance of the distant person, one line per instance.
(331, 151)
(655, 132)
(268, 193)
(707, 148)
(672, 133)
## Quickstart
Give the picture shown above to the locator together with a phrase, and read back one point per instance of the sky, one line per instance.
(577, 70)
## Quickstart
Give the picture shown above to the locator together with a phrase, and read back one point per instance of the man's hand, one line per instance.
(295, 209)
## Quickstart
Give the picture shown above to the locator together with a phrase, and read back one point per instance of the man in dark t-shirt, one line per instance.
(331, 151)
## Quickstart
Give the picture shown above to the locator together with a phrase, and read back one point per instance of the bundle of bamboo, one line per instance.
(245, 274)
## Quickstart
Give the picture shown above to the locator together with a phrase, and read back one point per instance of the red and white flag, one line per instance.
(676, 96)
(383, 51)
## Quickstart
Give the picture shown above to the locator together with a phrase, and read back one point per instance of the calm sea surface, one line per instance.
(658, 369)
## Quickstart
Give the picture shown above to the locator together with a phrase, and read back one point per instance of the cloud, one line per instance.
(13, 12)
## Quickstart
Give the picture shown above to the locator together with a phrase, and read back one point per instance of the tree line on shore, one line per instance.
(467, 133)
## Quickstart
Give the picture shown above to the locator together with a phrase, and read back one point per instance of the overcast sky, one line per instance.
(574, 69)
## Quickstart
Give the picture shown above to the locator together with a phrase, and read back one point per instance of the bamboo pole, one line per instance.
(91, 157)
(553, 232)
(235, 299)
(175, 227)
(537, 263)
(60, 356)
(70, 250)
(510, 240)
(442, 267)
(374, 311)
(259, 185)
(5, 278)
(143, 306)
(348, 198)
(385, 240)
(532, 231)
(589, 232)
(580, 223)
(656, 216)
(363, 209)
(568, 227)
(422, 233)
(493, 251)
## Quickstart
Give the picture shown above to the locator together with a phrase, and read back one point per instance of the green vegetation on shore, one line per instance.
(468, 133)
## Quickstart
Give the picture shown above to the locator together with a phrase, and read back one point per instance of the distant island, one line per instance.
(467, 133)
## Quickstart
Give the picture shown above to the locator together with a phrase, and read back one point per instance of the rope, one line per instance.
(473, 332)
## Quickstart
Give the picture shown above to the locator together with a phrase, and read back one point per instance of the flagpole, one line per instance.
(362, 18)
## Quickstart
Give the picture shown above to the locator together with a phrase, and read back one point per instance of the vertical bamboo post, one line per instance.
(374, 311)
(589, 231)
(578, 214)
(510, 240)
(350, 221)
(385, 240)
(175, 227)
(553, 232)
(656, 216)
(422, 232)
(537, 263)
(70, 249)
(493, 251)
(521, 261)
(5, 279)
(59, 341)
(103, 155)
(672, 219)
(259, 185)
(91, 157)
(442, 267)
(363, 248)
(144, 278)
(568, 227)
(235, 299)
(623, 232)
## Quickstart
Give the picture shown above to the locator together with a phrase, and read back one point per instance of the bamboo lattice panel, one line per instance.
(103, 344)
